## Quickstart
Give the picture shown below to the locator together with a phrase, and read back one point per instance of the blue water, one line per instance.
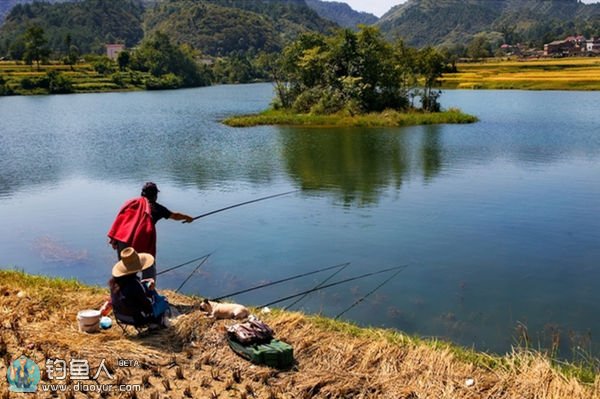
(497, 221)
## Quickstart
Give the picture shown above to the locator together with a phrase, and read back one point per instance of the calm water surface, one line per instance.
(498, 221)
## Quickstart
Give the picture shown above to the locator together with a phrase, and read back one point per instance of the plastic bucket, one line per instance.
(89, 320)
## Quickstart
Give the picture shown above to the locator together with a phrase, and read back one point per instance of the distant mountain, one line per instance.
(341, 13)
(450, 22)
(215, 27)
(223, 27)
(7, 5)
(220, 27)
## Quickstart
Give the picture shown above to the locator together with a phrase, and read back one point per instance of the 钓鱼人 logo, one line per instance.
(23, 375)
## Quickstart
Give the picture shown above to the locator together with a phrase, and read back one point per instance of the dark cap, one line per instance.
(150, 189)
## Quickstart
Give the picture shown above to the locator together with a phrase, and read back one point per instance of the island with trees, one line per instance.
(354, 79)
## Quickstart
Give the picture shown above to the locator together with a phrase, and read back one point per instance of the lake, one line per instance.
(498, 222)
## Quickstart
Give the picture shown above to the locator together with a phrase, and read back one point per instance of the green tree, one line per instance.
(72, 52)
(4, 89)
(16, 51)
(35, 45)
(431, 66)
(123, 60)
(382, 71)
(271, 64)
(349, 71)
(58, 83)
(104, 65)
(478, 48)
(160, 57)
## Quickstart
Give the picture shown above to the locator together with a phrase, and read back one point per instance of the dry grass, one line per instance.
(192, 359)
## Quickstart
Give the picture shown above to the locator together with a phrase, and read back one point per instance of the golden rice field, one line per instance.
(544, 74)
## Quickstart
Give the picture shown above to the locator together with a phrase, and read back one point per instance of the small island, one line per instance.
(354, 79)
(388, 118)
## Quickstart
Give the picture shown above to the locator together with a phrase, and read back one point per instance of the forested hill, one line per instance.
(223, 27)
(89, 23)
(341, 13)
(215, 27)
(7, 5)
(219, 27)
(451, 22)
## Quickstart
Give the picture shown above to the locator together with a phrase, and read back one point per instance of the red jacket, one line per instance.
(133, 226)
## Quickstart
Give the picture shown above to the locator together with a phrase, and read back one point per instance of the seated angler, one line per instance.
(135, 301)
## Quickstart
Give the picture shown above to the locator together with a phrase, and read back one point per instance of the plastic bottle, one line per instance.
(106, 308)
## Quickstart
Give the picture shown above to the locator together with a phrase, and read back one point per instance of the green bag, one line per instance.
(275, 353)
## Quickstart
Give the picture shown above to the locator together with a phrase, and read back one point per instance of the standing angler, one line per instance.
(135, 223)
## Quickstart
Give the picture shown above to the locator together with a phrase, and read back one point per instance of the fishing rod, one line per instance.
(183, 264)
(317, 286)
(279, 281)
(243, 203)
(192, 273)
(333, 284)
(371, 292)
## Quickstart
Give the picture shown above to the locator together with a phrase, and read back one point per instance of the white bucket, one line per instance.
(89, 320)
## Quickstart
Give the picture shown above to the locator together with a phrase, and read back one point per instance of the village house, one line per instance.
(572, 46)
(113, 50)
(593, 46)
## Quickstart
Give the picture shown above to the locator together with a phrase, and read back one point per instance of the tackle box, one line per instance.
(275, 353)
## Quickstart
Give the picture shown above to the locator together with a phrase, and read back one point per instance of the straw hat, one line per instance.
(132, 262)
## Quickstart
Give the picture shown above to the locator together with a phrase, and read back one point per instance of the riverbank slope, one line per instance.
(192, 359)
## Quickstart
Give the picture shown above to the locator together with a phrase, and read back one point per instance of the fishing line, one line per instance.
(317, 286)
(192, 273)
(333, 284)
(244, 203)
(279, 281)
(183, 264)
(372, 291)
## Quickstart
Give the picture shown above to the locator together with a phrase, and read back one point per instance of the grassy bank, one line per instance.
(383, 119)
(545, 74)
(333, 359)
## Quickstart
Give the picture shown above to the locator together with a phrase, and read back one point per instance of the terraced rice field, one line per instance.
(83, 77)
(547, 74)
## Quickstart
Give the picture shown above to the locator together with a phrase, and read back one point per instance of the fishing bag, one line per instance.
(253, 331)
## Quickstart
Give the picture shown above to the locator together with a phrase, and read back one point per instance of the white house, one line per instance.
(113, 50)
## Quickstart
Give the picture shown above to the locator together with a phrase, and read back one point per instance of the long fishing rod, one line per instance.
(371, 292)
(332, 275)
(279, 281)
(333, 284)
(244, 203)
(192, 273)
(183, 264)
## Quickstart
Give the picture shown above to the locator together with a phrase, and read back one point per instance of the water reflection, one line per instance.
(431, 153)
(357, 165)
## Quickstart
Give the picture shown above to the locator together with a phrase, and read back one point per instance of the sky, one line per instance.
(380, 7)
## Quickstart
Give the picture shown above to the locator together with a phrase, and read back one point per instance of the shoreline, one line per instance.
(332, 358)
(568, 74)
